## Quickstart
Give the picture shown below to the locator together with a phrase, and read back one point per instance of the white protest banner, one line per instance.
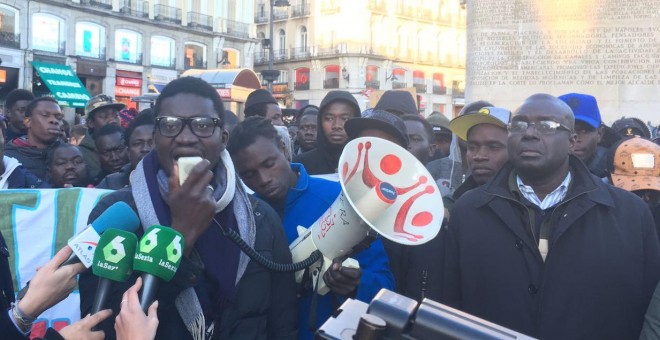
(36, 224)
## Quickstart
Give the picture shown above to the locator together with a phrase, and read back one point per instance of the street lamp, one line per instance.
(271, 75)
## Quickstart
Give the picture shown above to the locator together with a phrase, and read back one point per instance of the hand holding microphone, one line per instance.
(84, 328)
(342, 280)
(50, 285)
(191, 203)
(132, 323)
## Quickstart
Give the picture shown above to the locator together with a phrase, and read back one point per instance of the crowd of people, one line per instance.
(551, 217)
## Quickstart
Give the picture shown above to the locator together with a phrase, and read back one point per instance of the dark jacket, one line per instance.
(325, 158)
(304, 204)
(32, 158)
(117, 180)
(23, 179)
(10, 134)
(597, 164)
(7, 327)
(88, 148)
(598, 277)
(468, 185)
(264, 304)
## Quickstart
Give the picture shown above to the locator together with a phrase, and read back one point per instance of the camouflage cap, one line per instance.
(101, 101)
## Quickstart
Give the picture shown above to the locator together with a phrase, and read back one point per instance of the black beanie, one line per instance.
(259, 96)
(401, 102)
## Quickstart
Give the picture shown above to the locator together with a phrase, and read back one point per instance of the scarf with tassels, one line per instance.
(222, 259)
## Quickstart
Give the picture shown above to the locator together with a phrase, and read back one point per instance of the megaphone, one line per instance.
(385, 189)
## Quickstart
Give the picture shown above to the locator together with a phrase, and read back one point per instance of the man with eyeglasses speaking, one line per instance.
(545, 247)
(217, 292)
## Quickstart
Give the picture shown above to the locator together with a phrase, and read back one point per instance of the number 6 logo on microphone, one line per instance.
(149, 241)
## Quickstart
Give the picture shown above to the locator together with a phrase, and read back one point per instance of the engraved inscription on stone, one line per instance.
(563, 45)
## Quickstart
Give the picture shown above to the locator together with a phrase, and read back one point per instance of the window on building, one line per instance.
(439, 83)
(331, 77)
(399, 78)
(302, 79)
(371, 77)
(303, 38)
(162, 52)
(8, 21)
(419, 82)
(90, 40)
(230, 58)
(128, 46)
(283, 78)
(281, 40)
(195, 56)
(48, 33)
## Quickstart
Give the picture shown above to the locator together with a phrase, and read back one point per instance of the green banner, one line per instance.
(63, 83)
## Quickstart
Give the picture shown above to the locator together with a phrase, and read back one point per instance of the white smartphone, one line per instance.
(185, 166)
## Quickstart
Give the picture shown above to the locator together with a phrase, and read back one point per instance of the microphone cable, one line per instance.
(264, 262)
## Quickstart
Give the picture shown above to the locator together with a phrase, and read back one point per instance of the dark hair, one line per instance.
(307, 110)
(16, 95)
(427, 126)
(108, 129)
(256, 110)
(246, 132)
(50, 157)
(191, 85)
(33, 104)
(78, 130)
(143, 118)
(474, 106)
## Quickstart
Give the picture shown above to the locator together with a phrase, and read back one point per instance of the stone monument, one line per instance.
(607, 48)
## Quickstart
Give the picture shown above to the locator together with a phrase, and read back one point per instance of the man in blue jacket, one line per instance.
(545, 247)
(300, 200)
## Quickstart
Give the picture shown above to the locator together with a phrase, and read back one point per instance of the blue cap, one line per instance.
(584, 106)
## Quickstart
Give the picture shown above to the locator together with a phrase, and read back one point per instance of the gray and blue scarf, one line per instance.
(224, 263)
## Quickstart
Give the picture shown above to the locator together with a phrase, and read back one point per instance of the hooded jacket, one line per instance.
(602, 266)
(325, 158)
(88, 148)
(32, 158)
(304, 204)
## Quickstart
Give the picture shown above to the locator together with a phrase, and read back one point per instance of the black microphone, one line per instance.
(113, 261)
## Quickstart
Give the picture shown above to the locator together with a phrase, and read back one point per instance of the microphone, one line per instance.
(113, 260)
(117, 216)
(158, 256)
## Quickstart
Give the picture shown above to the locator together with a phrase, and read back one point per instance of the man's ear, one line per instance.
(601, 131)
(432, 148)
(571, 142)
(282, 146)
(27, 121)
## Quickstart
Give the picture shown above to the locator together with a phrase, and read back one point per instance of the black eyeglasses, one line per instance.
(201, 127)
(544, 127)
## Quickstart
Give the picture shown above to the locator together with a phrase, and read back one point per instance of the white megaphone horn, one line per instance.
(384, 188)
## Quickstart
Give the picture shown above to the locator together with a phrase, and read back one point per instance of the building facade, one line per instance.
(364, 47)
(123, 48)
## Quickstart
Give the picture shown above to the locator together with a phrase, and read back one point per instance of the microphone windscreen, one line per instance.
(117, 216)
(159, 252)
(113, 257)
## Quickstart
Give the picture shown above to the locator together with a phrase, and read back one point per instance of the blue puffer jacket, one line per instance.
(304, 205)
